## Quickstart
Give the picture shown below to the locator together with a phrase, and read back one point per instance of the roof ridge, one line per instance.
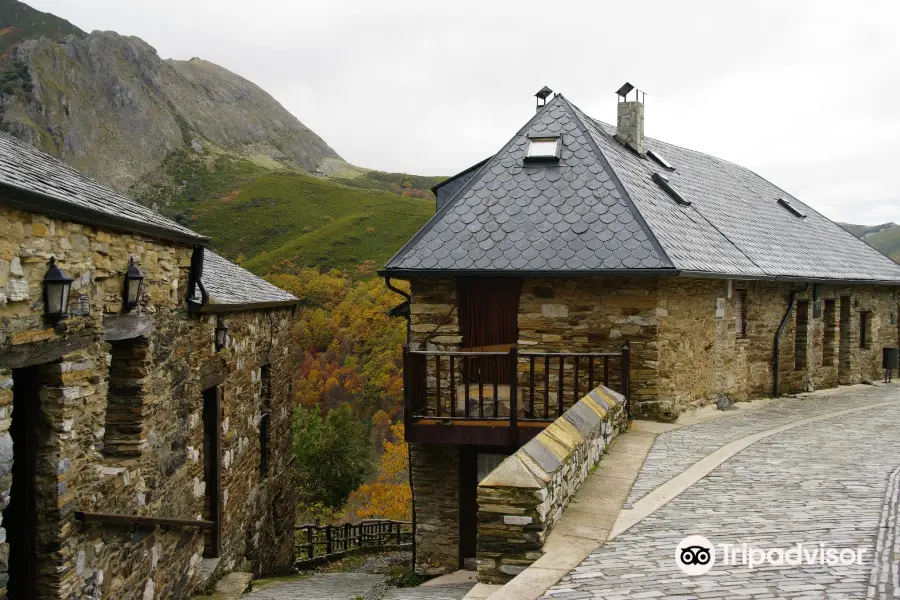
(651, 235)
(464, 189)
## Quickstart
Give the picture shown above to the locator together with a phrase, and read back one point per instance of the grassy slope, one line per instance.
(888, 241)
(19, 22)
(281, 216)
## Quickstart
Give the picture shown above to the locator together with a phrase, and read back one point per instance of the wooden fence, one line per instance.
(322, 542)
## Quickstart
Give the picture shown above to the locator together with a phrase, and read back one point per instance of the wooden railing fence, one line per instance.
(324, 541)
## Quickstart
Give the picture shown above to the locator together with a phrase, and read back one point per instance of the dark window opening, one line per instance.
(790, 207)
(212, 465)
(663, 182)
(740, 314)
(265, 418)
(124, 429)
(830, 335)
(865, 329)
(20, 515)
(801, 335)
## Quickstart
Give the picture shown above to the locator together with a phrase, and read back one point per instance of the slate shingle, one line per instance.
(33, 171)
(227, 283)
(599, 210)
(515, 217)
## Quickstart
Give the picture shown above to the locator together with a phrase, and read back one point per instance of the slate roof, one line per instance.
(38, 182)
(228, 284)
(525, 217)
(599, 211)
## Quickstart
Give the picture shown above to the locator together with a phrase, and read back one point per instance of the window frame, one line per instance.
(543, 157)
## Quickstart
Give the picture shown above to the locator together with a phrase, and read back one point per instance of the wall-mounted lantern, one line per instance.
(134, 281)
(56, 292)
(221, 334)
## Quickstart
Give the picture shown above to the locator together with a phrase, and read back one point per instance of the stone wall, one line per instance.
(521, 501)
(152, 465)
(435, 474)
(701, 357)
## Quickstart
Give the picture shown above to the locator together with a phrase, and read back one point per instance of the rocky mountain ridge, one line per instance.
(110, 106)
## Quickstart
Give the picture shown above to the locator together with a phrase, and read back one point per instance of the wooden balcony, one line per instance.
(499, 398)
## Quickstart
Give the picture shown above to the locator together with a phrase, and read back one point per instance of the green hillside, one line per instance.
(19, 22)
(885, 237)
(888, 241)
(263, 217)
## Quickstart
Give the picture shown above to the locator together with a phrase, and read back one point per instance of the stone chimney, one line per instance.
(630, 119)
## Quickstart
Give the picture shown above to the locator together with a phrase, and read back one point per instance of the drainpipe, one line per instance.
(777, 351)
(195, 279)
(412, 488)
(396, 290)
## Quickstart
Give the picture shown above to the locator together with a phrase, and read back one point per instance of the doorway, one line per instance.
(844, 327)
(474, 465)
(212, 469)
(488, 321)
(20, 516)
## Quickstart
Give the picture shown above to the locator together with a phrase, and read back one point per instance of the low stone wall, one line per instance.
(521, 500)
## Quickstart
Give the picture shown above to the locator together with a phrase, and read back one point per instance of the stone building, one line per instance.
(584, 253)
(144, 439)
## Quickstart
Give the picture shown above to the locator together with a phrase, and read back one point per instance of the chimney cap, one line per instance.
(543, 93)
(625, 89)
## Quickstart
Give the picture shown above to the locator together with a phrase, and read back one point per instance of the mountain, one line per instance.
(884, 237)
(19, 22)
(200, 144)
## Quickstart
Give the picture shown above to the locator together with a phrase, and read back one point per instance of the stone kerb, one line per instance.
(521, 500)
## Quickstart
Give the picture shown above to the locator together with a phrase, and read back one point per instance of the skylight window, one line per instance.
(663, 182)
(543, 149)
(793, 209)
(660, 160)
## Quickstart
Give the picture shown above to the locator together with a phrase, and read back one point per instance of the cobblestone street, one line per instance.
(832, 481)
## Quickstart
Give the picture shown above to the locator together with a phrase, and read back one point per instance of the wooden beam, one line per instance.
(92, 517)
(38, 353)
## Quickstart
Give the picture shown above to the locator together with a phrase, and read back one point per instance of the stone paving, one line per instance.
(323, 586)
(677, 450)
(834, 481)
(429, 592)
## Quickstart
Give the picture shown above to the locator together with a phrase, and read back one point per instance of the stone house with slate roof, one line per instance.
(590, 253)
(145, 449)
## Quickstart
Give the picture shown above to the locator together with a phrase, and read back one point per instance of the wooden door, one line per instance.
(20, 516)
(212, 467)
(488, 316)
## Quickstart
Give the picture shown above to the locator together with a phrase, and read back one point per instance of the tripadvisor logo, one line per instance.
(696, 555)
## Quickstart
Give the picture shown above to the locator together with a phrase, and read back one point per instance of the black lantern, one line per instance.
(134, 280)
(221, 334)
(56, 292)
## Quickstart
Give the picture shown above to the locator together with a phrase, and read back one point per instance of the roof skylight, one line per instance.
(794, 210)
(663, 182)
(544, 149)
(659, 159)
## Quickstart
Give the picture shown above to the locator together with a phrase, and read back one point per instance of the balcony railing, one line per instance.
(505, 388)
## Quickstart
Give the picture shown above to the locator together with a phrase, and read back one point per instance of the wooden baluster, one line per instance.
(437, 379)
(496, 386)
(452, 389)
(575, 397)
(347, 536)
(531, 387)
(546, 387)
(480, 388)
(606, 371)
(562, 377)
(590, 373)
(514, 395)
(398, 534)
(328, 539)
(309, 540)
(467, 372)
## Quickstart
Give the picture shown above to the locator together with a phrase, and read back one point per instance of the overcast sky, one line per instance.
(806, 94)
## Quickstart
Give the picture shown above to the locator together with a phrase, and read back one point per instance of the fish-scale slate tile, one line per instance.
(599, 210)
(515, 216)
(227, 283)
(31, 170)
